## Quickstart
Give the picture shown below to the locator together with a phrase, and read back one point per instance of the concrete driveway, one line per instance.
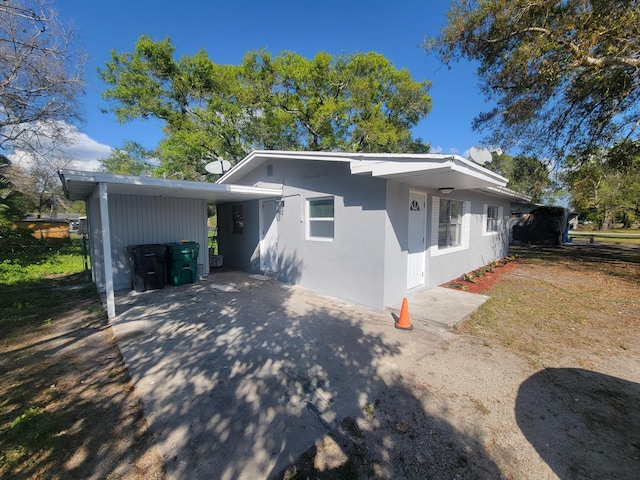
(238, 375)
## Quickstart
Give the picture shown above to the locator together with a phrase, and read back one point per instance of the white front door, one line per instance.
(268, 236)
(416, 241)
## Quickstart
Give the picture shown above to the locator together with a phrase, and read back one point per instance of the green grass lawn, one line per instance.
(620, 236)
(38, 281)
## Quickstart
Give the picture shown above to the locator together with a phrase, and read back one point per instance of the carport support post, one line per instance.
(106, 247)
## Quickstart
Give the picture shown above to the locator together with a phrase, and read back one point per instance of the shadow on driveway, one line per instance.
(239, 375)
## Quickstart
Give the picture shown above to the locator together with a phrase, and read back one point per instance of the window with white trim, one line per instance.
(320, 219)
(491, 219)
(450, 224)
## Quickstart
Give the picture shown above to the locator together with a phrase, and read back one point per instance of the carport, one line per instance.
(123, 209)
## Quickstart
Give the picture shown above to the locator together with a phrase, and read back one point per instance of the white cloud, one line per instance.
(81, 153)
(85, 152)
(439, 149)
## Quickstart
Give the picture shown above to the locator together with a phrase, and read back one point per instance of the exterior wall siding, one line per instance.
(239, 250)
(448, 264)
(137, 220)
(396, 243)
(441, 265)
(95, 241)
(45, 229)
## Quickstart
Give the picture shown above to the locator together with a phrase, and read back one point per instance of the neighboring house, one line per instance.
(45, 227)
(369, 228)
(543, 225)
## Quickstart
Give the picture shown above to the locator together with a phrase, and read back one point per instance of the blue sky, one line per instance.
(228, 29)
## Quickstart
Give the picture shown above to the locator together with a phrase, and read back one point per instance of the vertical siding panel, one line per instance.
(137, 220)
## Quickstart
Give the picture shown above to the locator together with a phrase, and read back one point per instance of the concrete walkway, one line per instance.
(239, 375)
(439, 307)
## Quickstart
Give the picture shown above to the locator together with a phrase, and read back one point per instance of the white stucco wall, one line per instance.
(351, 266)
(367, 260)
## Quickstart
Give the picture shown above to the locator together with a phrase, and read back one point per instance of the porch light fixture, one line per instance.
(446, 190)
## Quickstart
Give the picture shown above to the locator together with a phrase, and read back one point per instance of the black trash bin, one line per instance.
(148, 266)
(183, 261)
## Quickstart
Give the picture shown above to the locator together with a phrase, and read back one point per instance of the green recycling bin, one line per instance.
(183, 262)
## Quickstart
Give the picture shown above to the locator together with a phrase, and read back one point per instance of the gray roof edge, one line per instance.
(67, 175)
(245, 165)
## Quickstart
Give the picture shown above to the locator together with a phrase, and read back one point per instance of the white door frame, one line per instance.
(417, 246)
(268, 238)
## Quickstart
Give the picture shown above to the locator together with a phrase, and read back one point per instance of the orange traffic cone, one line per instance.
(404, 322)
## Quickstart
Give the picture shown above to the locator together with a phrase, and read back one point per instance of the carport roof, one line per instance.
(79, 185)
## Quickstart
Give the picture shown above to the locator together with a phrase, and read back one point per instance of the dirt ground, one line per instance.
(556, 399)
(69, 386)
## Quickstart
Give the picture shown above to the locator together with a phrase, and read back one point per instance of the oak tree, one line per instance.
(526, 174)
(131, 159)
(349, 102)
(564, 76)
(605, 184)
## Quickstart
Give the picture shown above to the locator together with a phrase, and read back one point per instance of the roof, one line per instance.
(43, 220)
(80, 185)
(507, 192)
(428, 170)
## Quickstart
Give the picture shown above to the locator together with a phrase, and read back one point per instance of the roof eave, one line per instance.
(79, 185)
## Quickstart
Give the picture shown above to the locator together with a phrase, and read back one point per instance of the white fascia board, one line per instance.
(406, 169)
(71, 179)
(376, 164)
(389, 168)
(468, 165)
(100, 177)
(258, 157)
(484, 174)
(508, 193)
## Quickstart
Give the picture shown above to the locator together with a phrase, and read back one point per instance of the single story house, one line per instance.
(368, 228)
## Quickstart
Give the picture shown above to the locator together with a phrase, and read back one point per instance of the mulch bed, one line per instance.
(483, 279)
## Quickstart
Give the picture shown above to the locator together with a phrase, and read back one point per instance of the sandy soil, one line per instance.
(472, 408)
(476, 408)
(87, 422)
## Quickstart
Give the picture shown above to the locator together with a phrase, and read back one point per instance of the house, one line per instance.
(368, 228)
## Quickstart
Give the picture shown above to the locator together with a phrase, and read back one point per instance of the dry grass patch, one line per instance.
(558, 302)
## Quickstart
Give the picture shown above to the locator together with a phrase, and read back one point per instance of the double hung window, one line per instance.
(320, 218)
(450, 224)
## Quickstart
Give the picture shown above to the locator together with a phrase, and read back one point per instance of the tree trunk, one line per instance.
(607, 222)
